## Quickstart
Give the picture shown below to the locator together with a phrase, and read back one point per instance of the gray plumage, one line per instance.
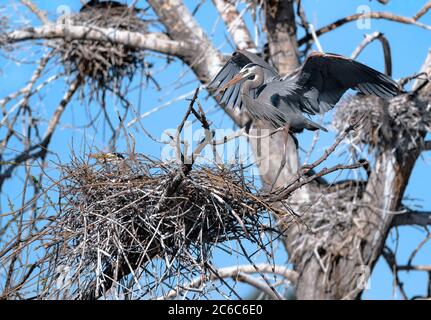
(247, 80)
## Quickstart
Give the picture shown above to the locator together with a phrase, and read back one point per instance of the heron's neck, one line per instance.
(252, 84)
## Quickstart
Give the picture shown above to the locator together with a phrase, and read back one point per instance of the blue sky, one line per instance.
(409, 46)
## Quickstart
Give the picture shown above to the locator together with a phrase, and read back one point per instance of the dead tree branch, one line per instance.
(235, 24)
(39, 13)
(385, 45)
(150, 41)
(422, 11)
(369, 15)
(235, 272)
(412, 218)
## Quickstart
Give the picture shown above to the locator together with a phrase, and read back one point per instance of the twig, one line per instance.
(315, 38)
(369, 38)
(184, 169)
(415, 268)
(390, 259)
(233, 272)
(368, 15)
(422, 11)
(43, 144)
(33, 8)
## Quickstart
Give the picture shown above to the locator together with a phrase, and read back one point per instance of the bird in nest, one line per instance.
(109, 157)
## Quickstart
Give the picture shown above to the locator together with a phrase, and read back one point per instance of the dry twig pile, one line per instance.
(116, 217)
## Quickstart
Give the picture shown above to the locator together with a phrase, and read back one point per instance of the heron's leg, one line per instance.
(283, 162)
(248, 126)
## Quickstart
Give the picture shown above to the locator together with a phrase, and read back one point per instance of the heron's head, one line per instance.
(249, 71)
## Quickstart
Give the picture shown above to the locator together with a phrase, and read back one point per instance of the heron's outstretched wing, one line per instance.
(231, 97)
(324, 78)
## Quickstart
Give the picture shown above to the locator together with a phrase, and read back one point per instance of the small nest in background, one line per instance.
(104, 65)
(112, 222)
(398, 124)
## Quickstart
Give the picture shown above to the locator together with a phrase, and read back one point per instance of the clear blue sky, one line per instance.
(409, 46)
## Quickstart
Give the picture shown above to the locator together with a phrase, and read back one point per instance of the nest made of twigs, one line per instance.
(101, 64)
(116, 217)
(330, 218)
(398, 124)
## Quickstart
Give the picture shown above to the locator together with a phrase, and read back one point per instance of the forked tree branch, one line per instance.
(236, 272)
(385, 45)
(235, 24)
(42, 146)
(368, 15)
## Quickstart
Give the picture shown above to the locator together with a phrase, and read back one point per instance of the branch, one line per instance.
(184, 168)
(391, 260)
(422, 11)
(204, 58)
(238, 272)
(281, 33)
(150, 41)
(43, 144)
(415, 268)
(386, 49)
(368, 15)
(235, 24)
(33, 8)
(412, 218)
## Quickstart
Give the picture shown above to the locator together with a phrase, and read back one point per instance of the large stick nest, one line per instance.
(104, 65)
(399, 124)
(330, 218)
(117, 217)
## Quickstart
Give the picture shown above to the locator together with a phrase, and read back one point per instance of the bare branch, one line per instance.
(422, 11)
(33, 8)
(369, 38)
(43, 144)
(235, 272)
(412, 218)
(235, 24)
(390, 259)
(368, 15)
(415, 268)
(150, 41)
(203, 58)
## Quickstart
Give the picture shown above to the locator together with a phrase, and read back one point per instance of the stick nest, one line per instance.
(330, 218)
(398, 124)
(118, 217)
(104, 65)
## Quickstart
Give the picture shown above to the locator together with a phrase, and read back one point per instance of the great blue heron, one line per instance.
(246, 80)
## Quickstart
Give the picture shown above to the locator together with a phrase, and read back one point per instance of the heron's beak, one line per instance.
(233, 81)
